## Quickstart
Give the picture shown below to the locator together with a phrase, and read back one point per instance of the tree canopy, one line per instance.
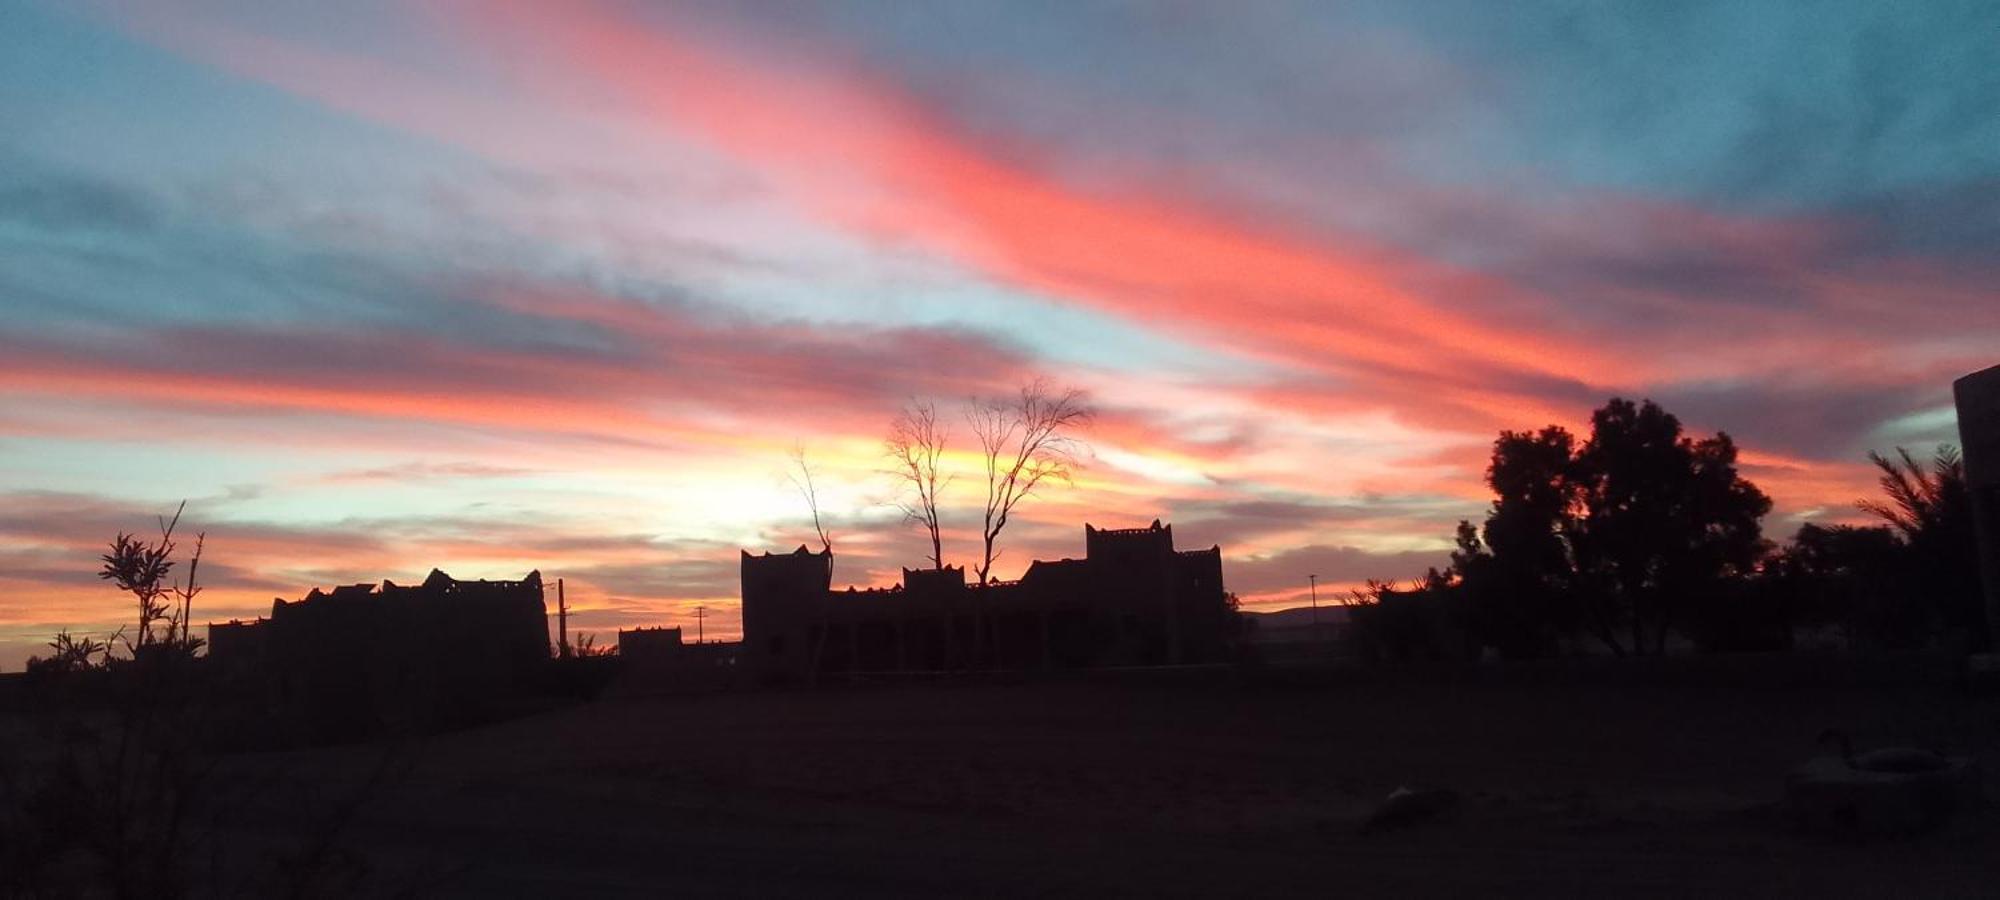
(1613, 535)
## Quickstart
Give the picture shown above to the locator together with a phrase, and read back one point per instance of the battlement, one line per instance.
(1155, 528)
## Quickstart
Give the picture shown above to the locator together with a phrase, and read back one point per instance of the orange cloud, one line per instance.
(860, 153)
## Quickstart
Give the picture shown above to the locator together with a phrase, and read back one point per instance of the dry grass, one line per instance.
(1578, 779)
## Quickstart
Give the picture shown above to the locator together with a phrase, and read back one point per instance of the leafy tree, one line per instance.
(1420, 622)
(1929, 507)
(69, 654)
(1614, 536)
(144, 569)
(1665, 518)
(1852, 576)
(1519, 580)
(587, 648)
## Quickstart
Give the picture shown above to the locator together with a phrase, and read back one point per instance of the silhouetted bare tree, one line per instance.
(915, 444)
(802, 478)
(801, 475)
(1025, 441)
(186, 591)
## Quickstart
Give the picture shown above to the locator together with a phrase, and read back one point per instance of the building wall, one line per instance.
(238, 646)
(1978, 400)
(644, 645)
(1133, 599)
(364, 657)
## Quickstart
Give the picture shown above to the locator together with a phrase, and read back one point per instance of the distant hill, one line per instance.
(1301, 617)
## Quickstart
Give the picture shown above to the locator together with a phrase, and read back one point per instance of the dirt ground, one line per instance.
(1578, 779)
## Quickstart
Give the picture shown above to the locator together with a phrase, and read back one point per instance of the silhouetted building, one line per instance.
(1978, 400)
(650, 644)
(1132, 600)
(658, 659)
(364, 655)
(237, 645)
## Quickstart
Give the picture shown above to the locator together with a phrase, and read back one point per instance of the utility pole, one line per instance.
(1312, 581)
(700, 613)
(562, 622)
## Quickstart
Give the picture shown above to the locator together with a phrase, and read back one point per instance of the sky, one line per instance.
(497, 286)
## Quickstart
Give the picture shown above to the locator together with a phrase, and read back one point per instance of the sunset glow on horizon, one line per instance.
(492, 287)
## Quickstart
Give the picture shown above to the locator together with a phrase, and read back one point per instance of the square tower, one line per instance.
(784, 595)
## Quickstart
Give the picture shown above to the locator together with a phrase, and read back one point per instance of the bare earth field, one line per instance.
(1589, 778)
